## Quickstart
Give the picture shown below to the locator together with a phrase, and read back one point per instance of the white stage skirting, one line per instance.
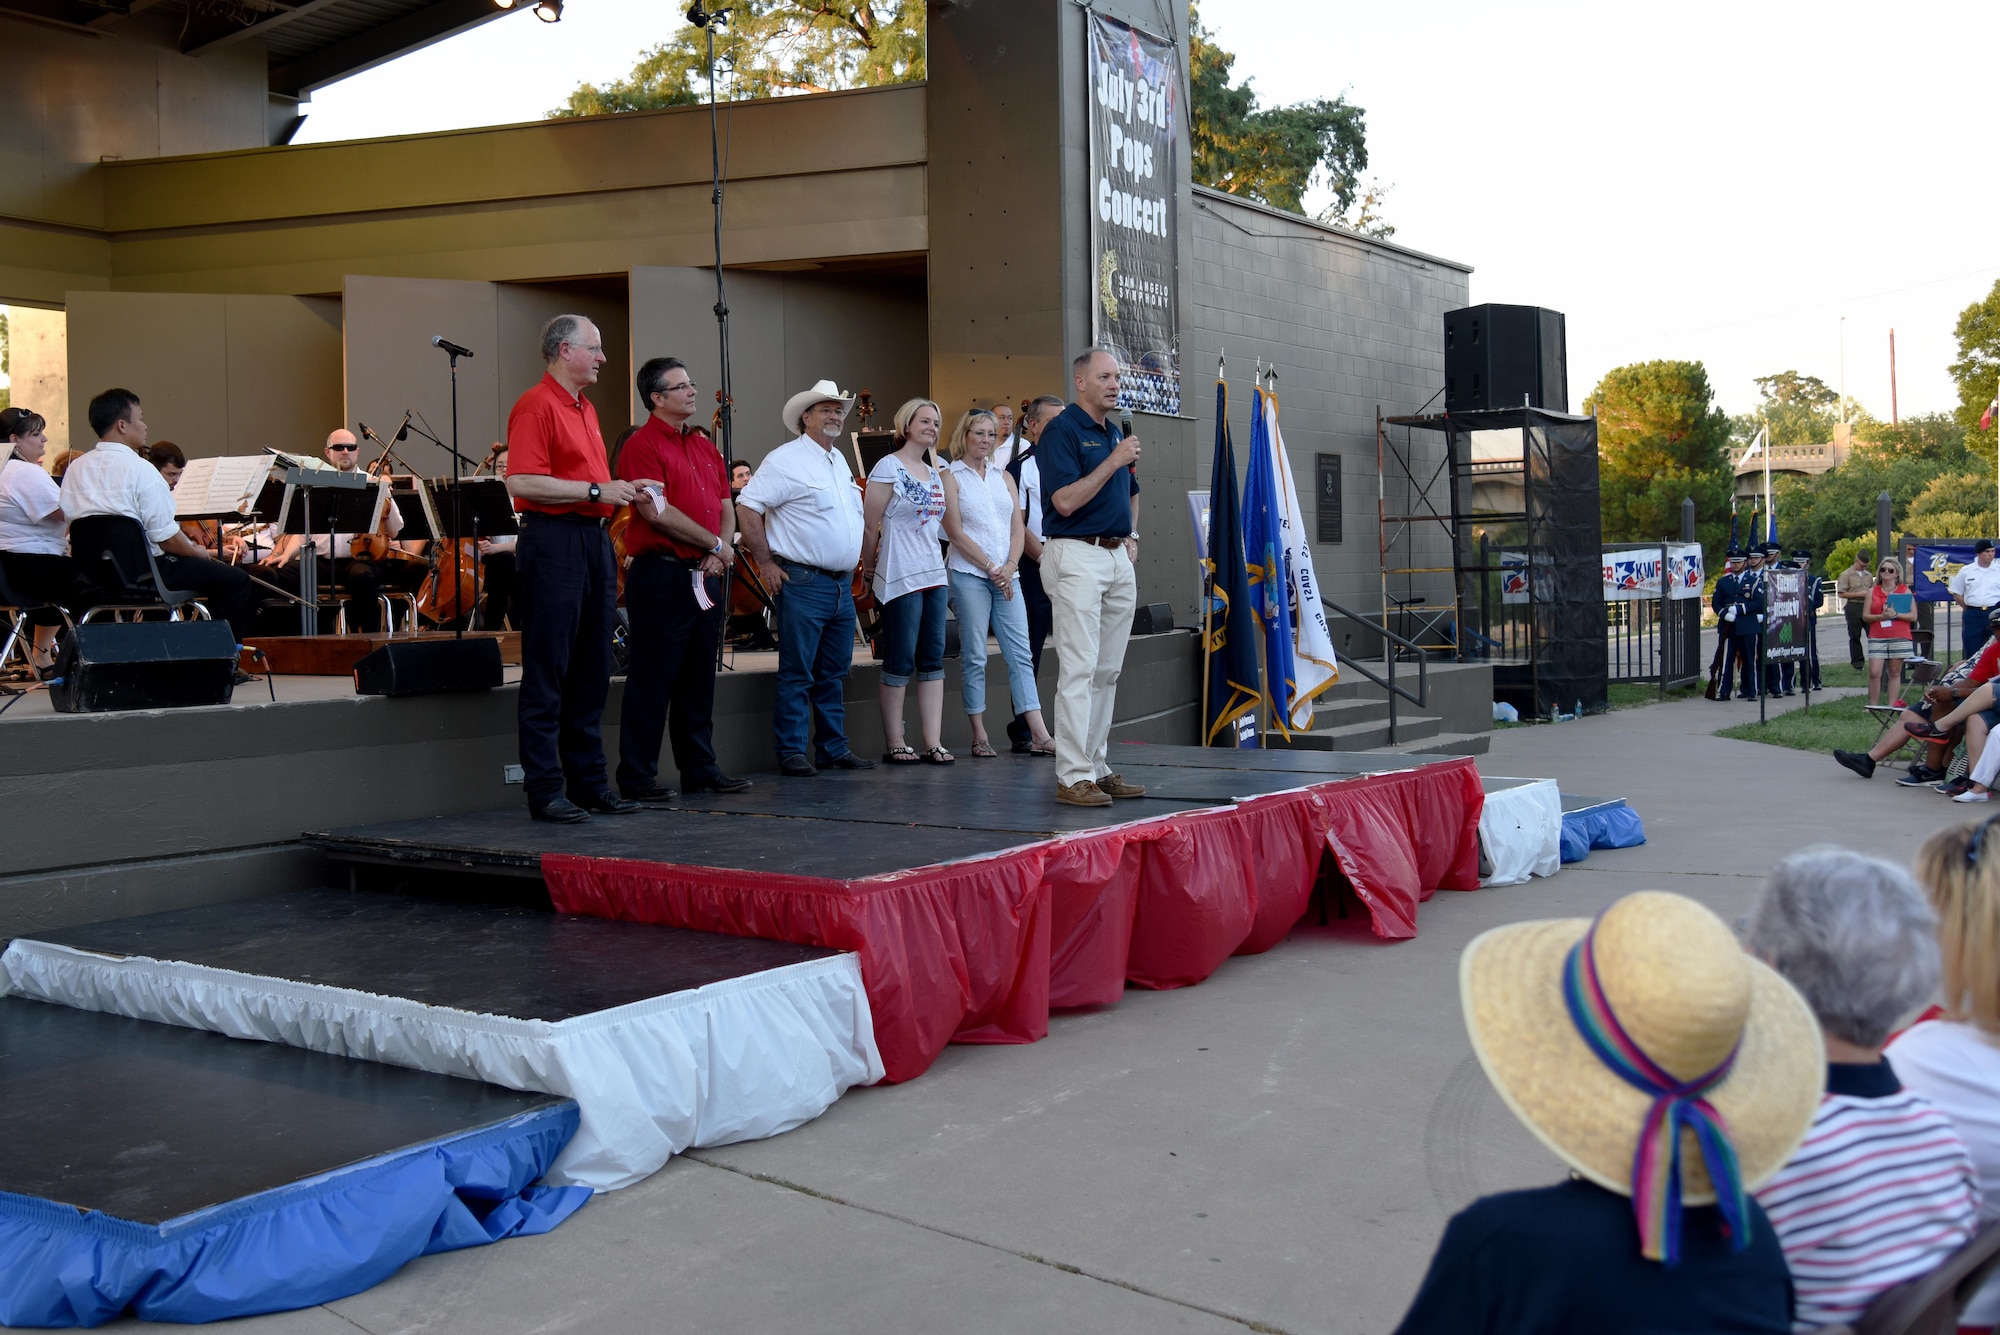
(1520, 829)
(736, 1060)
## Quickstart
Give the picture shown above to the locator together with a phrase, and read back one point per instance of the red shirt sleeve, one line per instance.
(528, 437)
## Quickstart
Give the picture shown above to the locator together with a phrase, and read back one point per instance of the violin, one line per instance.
(374, 546)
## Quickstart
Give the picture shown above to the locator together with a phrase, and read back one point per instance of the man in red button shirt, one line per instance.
(679, 539)
(561, 483)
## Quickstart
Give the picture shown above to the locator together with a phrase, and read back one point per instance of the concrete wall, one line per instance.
(1352, 325)
(217, 374)
(116, 814)
(786, 332)
(38, 361)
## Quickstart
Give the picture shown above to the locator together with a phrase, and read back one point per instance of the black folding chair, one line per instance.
(17, 606)
(116, 572)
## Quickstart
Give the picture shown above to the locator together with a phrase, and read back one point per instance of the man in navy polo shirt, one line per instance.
(1088, 479)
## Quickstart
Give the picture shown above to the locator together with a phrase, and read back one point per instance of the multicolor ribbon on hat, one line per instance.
(1656, 1163)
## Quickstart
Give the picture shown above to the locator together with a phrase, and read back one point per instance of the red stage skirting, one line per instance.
(979, 951)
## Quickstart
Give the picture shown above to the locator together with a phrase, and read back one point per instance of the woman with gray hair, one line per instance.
(1882, 1190)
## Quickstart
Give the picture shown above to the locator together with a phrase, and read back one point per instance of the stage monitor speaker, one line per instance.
(1152, 618)
(1503, 356)
(110, 665)
(429, 667)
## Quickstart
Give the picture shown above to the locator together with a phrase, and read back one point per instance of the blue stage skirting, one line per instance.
(1609, 825)
(310, 1242)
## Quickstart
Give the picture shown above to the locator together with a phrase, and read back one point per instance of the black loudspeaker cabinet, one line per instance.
(1152, 618)
(429, 667)
(1499, 356)
(111, 665)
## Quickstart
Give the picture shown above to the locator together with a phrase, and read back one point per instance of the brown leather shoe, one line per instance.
(1116, 786)
(1084, 794)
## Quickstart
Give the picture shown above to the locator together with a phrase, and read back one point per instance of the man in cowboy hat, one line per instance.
(1615, 1040)
(801, 516)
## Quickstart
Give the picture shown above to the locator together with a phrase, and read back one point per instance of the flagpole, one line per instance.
(1770, 515)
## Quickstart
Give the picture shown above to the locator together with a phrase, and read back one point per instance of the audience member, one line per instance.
(1954, 1060)
(1620, 1041)
(1882, 1190)
(34, 548)
(901, 555)
(982, 518)
(1963, 681)
(1889, 635)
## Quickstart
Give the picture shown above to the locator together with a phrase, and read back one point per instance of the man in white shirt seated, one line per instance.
(1976, 588)
(801, 517)
(362, 576)
(114, 478)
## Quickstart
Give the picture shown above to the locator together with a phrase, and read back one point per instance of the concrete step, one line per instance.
(1443, 744)
(1367, 735)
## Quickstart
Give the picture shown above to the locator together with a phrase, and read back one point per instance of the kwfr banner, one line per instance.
(1135, 116)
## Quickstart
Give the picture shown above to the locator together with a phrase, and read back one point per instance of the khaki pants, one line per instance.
(1094, 593)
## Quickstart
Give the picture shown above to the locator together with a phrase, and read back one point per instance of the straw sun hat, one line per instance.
(1656, 983)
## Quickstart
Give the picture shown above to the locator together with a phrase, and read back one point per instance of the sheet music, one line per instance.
(298, 460)
(226, 485)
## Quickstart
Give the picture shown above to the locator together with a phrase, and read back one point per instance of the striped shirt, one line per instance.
(1881, 1192)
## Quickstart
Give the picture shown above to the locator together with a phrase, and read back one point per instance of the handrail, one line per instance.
(1422, 698)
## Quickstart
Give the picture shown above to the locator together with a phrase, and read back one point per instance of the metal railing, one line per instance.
(1422, 698)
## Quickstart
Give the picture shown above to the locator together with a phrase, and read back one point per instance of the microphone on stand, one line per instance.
(440, 341)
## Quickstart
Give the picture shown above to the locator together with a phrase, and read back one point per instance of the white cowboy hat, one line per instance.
(823, 392)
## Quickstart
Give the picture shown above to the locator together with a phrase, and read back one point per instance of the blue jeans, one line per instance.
(815, 649)
(913, 637)
(979, 604)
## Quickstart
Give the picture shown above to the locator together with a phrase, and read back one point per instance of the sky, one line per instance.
(1752, 185)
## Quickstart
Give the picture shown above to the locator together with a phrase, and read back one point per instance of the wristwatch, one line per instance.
(595, 491)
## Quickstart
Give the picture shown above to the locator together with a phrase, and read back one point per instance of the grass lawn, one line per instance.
(1841, 724)
(1632, 694)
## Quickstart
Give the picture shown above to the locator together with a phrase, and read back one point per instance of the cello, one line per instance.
(451, 590)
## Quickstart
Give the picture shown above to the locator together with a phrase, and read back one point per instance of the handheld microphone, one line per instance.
(440, 341)
(1124, 432)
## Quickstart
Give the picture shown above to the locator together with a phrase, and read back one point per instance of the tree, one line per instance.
(1273, 154)
(1660, 437)
(1798, 409)
(768, 48)
(1977, 370)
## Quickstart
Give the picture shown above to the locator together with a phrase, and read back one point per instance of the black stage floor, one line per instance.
(845, 825)
(522, 963)
(149, 1122)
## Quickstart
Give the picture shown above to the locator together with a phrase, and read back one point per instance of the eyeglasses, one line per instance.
(670, 389)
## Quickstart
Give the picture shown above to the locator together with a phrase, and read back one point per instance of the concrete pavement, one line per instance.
(1276, 1149)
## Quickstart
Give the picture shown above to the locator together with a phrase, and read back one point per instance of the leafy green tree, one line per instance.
(1977, 370)
(768, 48)
(1660, 437)
(1272, 154)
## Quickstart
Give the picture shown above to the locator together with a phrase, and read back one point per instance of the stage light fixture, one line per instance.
(503, 4)
(549, 11)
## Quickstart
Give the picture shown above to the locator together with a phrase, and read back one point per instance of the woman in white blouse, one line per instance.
(901, 555)
(34, 547)
(982, 518)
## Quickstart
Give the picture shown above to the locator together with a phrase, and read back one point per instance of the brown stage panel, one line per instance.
(336, 655)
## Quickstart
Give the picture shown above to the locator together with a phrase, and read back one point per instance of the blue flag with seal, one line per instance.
(1264, 549)
(1229, 686)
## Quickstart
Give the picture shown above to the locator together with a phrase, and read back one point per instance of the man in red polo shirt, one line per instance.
(561, 483)
(679, 540)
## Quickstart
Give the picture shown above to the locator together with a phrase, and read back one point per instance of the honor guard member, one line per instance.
(1780, 678)
(681, 542)
(1737, 621)
(1976, 588)
(560, 479)
(1812, 590)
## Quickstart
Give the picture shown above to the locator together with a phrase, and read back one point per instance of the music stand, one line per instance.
(481, 508)
(346, 505)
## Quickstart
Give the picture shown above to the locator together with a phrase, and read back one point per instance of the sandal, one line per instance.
(984, 751)
(937, 755)
(1039, 750)
(901, 755)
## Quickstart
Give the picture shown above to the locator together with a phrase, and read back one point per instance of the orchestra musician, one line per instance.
(34, 549)
(683, 533)
(560, 478)
(363, 575)
(113, 478)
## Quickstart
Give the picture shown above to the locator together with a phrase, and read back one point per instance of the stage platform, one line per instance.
(975, 901)
(185, 1177)
(665, 1038)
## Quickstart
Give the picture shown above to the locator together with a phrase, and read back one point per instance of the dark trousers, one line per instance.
(1041, 620)
(1812, 651)
(1857, 625)
(815, 650)
(500, 591)
(569, 594)
(224, 588)
(1975, 632)
(1742, 657)
(670, 677)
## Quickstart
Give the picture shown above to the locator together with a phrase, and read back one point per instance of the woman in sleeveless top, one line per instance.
(900, 553)
(982, 517)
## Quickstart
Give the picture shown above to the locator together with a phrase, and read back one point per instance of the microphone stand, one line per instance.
(708, 20)
(457, 504)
